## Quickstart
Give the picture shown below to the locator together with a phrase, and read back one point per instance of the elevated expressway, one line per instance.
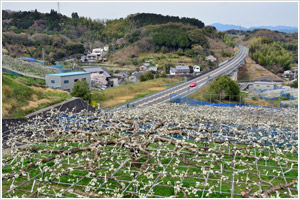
(184, 89)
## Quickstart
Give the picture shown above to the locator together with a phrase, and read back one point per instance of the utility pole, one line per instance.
(127, 79)
(58, 9)
(43, 54)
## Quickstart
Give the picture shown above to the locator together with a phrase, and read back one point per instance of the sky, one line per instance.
(244, 14)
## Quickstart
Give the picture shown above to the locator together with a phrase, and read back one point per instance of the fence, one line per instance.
(283, 93)
(176, 98)
(59, 66)
(11, 72)
(32, 60)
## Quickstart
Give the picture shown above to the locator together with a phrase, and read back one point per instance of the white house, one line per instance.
(83, 59)
(196, 68)
(287, 73)
(172, 71)
(97, 51)
(106, 48)
(96, 55)
(91, 57)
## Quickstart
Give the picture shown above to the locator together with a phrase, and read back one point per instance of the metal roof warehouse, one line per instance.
(69, 74)
(66, 81)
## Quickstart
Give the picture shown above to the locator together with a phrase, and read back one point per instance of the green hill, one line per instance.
(23, 95)
(137, 38)
(26, 33)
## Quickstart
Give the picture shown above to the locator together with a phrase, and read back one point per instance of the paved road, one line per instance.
(184, 89)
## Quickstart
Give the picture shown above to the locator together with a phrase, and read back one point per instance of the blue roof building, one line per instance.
(66, 81)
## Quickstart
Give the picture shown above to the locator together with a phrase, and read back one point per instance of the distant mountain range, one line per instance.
(225, 27)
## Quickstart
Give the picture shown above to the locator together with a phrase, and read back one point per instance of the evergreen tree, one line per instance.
(224, 86)
(81, 89)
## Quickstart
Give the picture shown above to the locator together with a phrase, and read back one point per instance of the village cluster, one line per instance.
(102, 78)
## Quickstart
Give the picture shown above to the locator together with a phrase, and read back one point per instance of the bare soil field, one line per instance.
(254, 72)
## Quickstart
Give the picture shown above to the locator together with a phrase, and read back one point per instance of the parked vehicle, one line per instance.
(193, 84)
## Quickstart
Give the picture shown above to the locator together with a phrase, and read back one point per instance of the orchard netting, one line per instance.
(164, 150)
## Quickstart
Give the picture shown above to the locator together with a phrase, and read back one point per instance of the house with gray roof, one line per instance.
(66, 81)
(121, 75)
(152, 69)
(211, 58)
(135, 76)
(91, 57)
(99, 70)
(182, 69)
(147, 64)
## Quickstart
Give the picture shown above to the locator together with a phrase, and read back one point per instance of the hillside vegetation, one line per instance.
(130, 38)
(273, 50)
(22, 95)
(267, 52)
(174, 40)
(118, 95)
(254, 72)
(62, 37)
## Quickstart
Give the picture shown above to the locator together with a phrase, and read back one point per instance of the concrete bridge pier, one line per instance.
(234, 75)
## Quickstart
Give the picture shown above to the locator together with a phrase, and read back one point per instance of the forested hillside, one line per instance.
(168, 40)
(27, 33)
(266, 52)
(276, 54)
(143, 19)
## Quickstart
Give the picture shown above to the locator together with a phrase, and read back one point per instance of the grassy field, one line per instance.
(201, 94)
(23, 95)
(204, 95)
(118, 95)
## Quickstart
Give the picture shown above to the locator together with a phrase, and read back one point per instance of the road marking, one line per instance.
(198, 88)
(187, 84)
(218, 71)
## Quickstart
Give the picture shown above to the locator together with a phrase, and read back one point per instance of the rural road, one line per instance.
(184, 89)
